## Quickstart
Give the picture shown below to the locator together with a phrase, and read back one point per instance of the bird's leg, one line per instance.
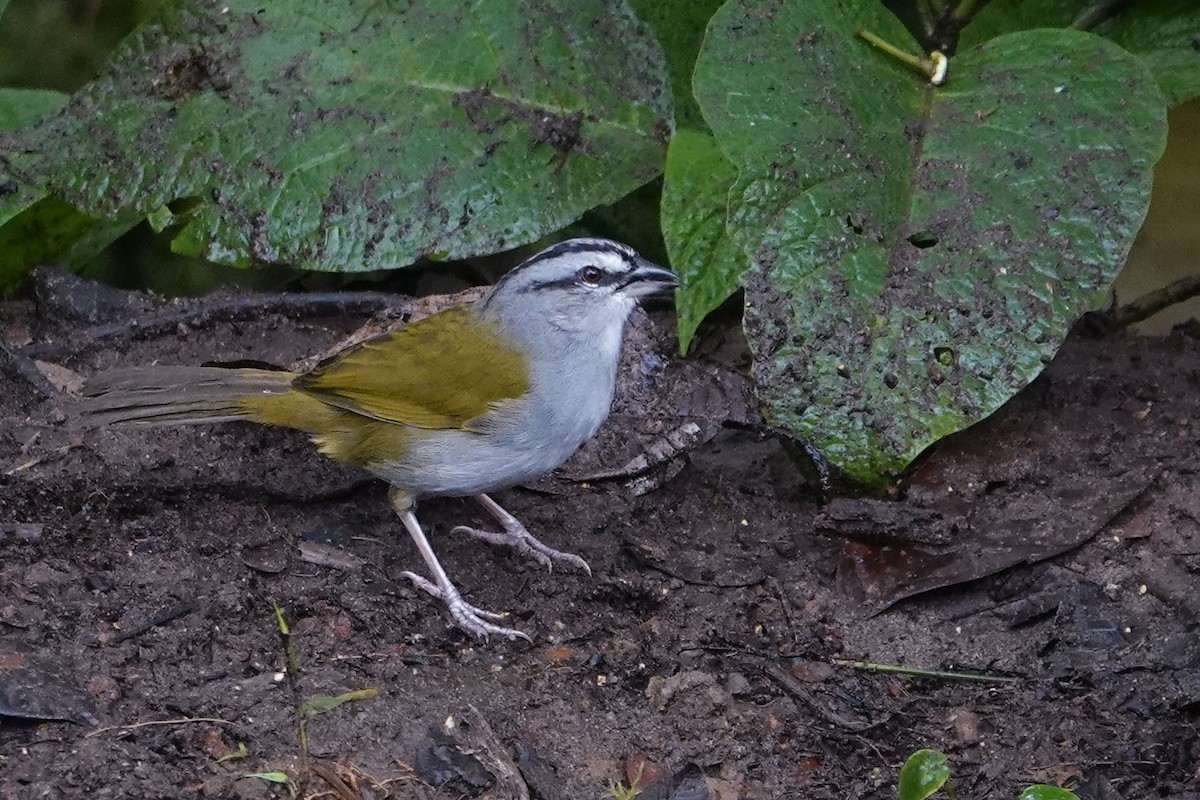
(518, 538)
(471, 619)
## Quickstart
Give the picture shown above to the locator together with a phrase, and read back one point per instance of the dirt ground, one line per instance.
(1051, 552)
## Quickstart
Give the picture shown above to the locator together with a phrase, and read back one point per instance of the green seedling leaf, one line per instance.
(1042, 791)
(353, 135)
(918, 254)
(235, 756)
(694, 201)
(322, 703)
(280, 620)
(923, 773)
(270, 777)
(1162, 32)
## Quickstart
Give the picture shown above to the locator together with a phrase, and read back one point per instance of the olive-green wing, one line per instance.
(438, 373)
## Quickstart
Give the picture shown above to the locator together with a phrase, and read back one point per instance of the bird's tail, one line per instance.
(183, 395)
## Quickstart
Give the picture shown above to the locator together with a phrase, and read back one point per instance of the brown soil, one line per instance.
(138, 569)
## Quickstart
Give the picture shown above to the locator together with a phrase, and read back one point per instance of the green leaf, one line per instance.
(679, 27)
(18, 108)
(271, 777)
(923, 773)
(1163, 32)
(1041, 791)
(280, 620)
(694, 200)
(36, 235)
(236, 755)
(322, 703)
(36, 228)
(918, 254)
(998, 17)
(21, 107)
(352, 135)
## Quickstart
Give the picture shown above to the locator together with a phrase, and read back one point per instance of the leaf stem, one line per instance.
(965, 11)
(933, 68)
(1150, 304)
(929, 12)
(293, 678)
(1097, 12)
(915, 62)
(870, 666)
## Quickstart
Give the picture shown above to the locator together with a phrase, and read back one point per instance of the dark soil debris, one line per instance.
(487, 113)
(189, 74)
(715, 642)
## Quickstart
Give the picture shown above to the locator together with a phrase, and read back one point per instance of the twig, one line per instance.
(922, 673)
(293, 677)
(966, 10)
(787, 613)
(222, 308)
(169, 614)
(19, 365)
(929, 12)
(1097, 12)
(240, 307)
(38, 459)
(943, 22)
(1151, 303)
(156, 722)
(334, 782)
(796, 689)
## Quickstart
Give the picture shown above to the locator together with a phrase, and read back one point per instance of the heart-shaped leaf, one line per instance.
(34, 228)
(918, 253)
(923, 773)
(355, 135)
(679, 27)
(1041, 791)
(694, 200)
(1162, 32)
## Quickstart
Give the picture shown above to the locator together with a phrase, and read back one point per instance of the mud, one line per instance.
(715, 644)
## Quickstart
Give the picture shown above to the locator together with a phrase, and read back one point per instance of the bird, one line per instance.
(466, 402)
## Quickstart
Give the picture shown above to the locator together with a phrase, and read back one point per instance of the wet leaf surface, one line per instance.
(1161, 32)
(917, 253)
(352, 136)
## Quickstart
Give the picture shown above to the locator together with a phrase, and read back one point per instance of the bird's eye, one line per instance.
(591, 275)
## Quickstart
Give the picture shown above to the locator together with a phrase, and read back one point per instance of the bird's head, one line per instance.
(581, 285)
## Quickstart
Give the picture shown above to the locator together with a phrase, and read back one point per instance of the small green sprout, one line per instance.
(619, 791)
(236, 755)
(926, 772)
(923, 773)
(280, 778)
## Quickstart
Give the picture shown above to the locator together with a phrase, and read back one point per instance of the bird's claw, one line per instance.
(526, 544)
(472, 619)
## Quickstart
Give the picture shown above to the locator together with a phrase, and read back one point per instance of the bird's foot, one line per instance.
(470, 618)
(526, 544)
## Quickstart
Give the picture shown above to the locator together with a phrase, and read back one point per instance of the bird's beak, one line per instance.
(648, 278)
